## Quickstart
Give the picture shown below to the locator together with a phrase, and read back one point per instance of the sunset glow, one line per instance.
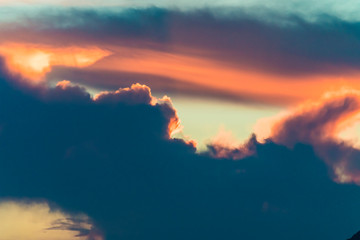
(179, 120)
(275, 89)
(34, 61)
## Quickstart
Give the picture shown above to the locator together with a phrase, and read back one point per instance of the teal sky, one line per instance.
(204, 119)
(346, 10)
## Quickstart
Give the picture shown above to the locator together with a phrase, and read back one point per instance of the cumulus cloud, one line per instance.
(224, 145)
(137, 94)
(112, 158)
(318, 121)
(320, 124)
(141, 94)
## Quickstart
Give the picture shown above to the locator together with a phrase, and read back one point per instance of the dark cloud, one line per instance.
(286, 45)
(113, 160)
(355, 237)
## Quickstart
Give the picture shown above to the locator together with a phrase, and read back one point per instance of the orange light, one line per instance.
(34, 61)
(267, 87)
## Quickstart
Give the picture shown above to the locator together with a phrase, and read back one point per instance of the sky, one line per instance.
(179, 120)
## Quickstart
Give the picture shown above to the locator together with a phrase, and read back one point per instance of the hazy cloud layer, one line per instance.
(291, 46)
(197, 48)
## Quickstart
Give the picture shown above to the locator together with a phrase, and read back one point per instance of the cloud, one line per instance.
(305, 8)
(112, 158)
(231, 35)
(320, 124)
(137, 94)
(34, 61)
(318, 121)
(355, 236)
(224, 145)
(160, 85)
(141, 94)
(191, 50)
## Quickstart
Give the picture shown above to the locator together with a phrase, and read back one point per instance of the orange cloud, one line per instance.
(63, 84)
(320, 124)
(269, 87)
(320, 120)
(34, 61)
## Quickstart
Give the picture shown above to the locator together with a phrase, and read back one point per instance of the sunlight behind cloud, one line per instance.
(34, 61)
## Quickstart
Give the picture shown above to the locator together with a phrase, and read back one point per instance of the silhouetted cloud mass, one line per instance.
(112, 158)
